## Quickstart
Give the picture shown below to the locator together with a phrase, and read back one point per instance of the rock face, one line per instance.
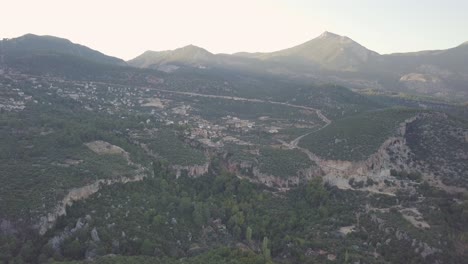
(250, 171)
(95, 235)
(100, 147)
(424, 84)
(57, 241)
(392, 154)
(104, 148)
(192, 170)
(420, 142)
(76, 194)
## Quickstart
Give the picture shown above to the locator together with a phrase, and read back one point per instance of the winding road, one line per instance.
(292, 145)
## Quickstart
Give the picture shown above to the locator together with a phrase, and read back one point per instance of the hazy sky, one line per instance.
(127, 28)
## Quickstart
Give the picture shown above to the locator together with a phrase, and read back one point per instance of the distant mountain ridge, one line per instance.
(331, 58)
(329, 50)
(187, 55)
(328, 58)
(34, 45)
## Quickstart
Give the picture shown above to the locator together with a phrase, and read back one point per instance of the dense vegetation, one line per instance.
(165, 219)
(43, 154)
(448, 138)
(217, 108)
(334, 101)
(171, 148)
(356, 137)
(283, 162)
(216, 256)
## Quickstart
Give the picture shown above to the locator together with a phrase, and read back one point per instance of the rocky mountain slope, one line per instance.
(328, 51)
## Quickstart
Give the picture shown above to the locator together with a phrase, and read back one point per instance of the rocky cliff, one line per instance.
(250, 171)
(393, 154)
(192, 170)
(102, 148)
(76, 194)
(412, 151)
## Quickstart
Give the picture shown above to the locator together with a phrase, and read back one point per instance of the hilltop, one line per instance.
(33, 45)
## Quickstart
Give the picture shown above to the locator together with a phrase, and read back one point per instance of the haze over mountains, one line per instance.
(329, 58)
(334, 58)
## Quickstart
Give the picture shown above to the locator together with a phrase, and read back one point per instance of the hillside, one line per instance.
(357, 137)
(33, 45)
(329, 51)
(331, 58)
(189, 55)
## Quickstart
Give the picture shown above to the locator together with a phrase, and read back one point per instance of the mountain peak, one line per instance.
(37, 44)
(328, 34)
(29, 37)
(189, 54)
(192, 48)
(334, 37)
(329, 50)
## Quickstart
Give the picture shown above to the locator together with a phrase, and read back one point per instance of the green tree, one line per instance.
(237, 232)
(74, 249)
(316, 195)
(248, 234)
(158, 220)
(185, 205)
(265, 250)
(198, 214)
(147, 247)
(27, 251)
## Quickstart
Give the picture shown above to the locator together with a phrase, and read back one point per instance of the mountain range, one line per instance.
(329, 58)
(338, 59)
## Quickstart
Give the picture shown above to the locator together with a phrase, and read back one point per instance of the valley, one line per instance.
(117, 164)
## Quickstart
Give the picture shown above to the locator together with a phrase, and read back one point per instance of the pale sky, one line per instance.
(126, 29)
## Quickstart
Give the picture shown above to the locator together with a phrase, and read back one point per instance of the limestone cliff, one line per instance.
(250, 171)
(76, 194)
(394, 154)
(191, 170)
(79, 193)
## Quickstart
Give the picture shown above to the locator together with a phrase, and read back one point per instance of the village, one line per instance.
(159, 107)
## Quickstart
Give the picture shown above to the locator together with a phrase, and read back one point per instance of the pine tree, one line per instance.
(265, 250)
(248, 234)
